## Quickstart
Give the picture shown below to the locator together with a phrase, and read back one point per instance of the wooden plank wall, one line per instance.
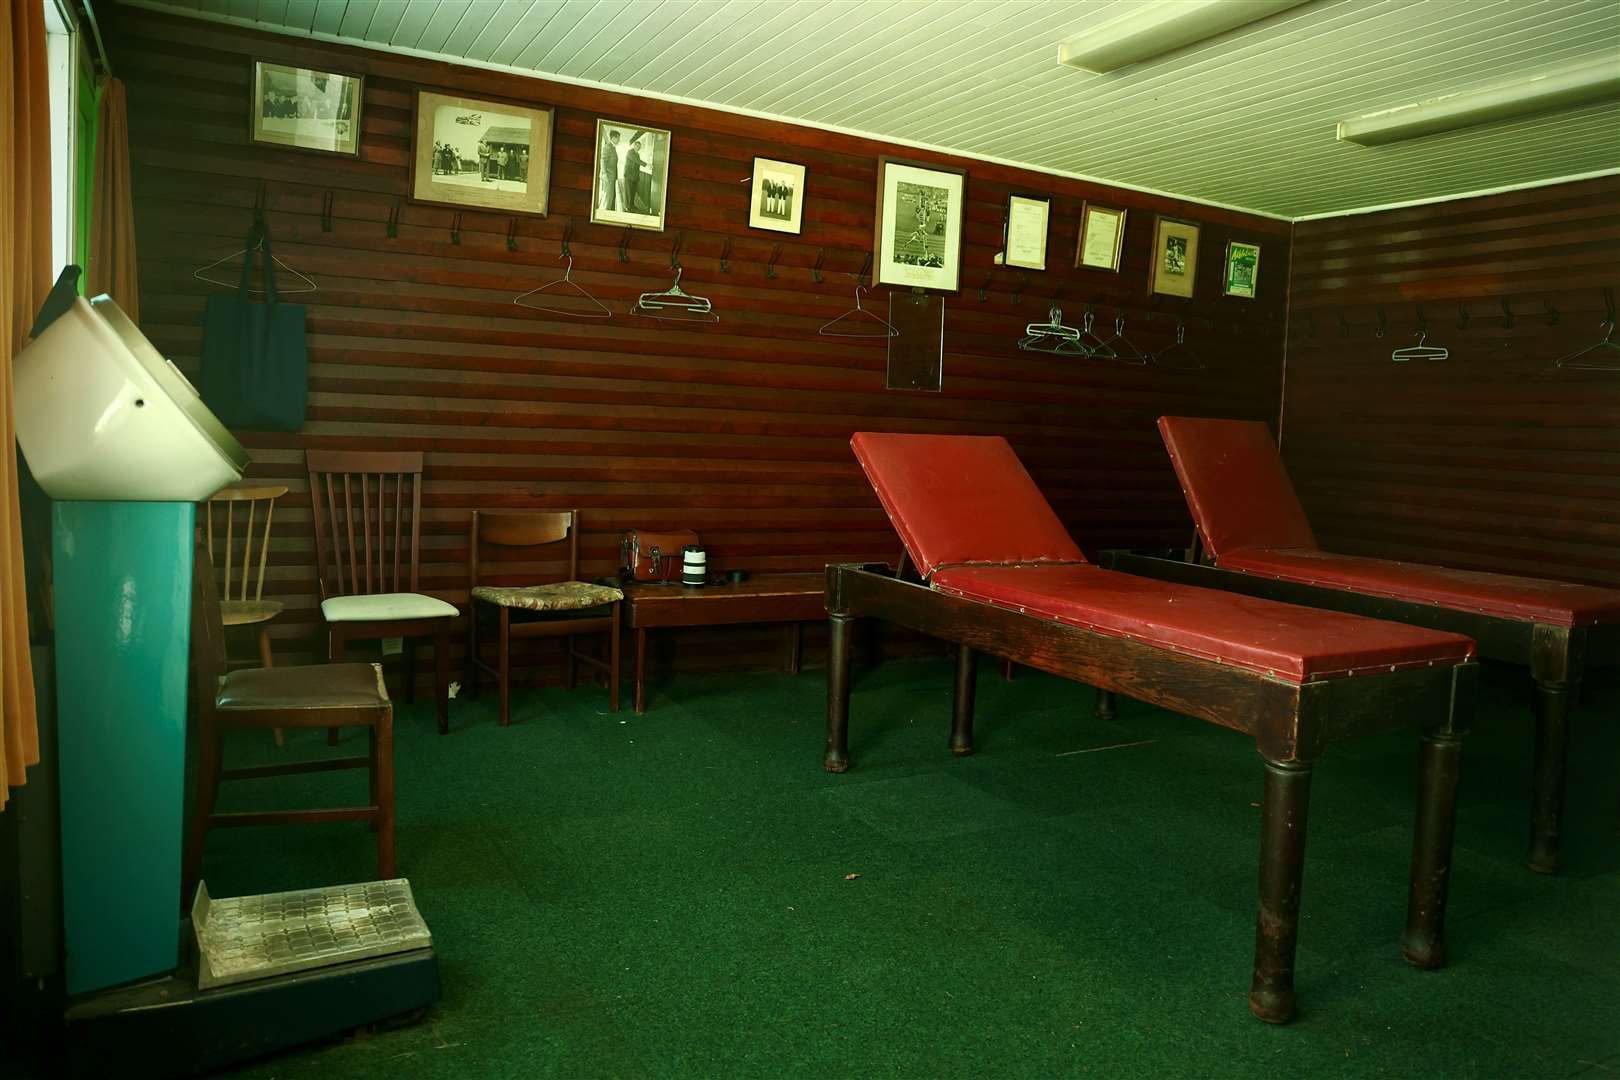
(1493, 459)
(739, 430)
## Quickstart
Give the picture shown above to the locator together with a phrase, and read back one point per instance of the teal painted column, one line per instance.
(122, 594)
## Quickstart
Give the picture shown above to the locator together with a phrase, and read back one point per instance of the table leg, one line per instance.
(795, 643)
(839, 633)
(1424, 945)
(1282, 866)
(1547, 791)
(967, 674)
(1105, 704)
(641, 670)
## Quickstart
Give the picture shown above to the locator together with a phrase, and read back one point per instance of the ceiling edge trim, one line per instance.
(334, 39)
(1571, 178)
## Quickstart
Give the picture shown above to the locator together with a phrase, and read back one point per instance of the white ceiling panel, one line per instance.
(1245, 119)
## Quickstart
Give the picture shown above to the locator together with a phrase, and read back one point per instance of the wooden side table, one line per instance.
(763, 598)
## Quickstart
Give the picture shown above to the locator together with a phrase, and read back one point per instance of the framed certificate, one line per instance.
(1242, 269)
(1102, 236)
(1175, 256)
(1024, 239)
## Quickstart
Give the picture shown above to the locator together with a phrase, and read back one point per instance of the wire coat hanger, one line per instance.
(1420, 351)
(1194, 362)
(1604, 355)
(256, 242)
(1052, 336)
(567, 279)
(883, 329)
(675, 298)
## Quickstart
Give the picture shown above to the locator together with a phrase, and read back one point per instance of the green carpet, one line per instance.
(688, 894)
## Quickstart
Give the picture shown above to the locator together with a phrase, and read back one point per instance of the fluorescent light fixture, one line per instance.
(1565, 88)
(1161, 26)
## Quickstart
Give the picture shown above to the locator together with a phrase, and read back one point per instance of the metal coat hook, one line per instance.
(984, 290)
(1344, 324)
(511, 235)
(1462, 316)
(1383, 324)
(393, 220)
(568, 234)
(821, 260)
(1422, 321)
(258, 204)
(327, 202)
(1018, 291)
(1507, 315)
(1310, 324)
(866, 268)
(770, 267)
(1552, 312)
(725, 257)
(455, 229)
(624, 245)
(675, 252)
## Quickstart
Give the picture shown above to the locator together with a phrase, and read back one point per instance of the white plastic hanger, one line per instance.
(567, 279)
(675, 298)
(1420, 351)
(858, 328)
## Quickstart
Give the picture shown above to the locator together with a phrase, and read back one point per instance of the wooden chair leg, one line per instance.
(266, 659)
(383, 779)
(209, 752)
(371, 773)
(335, 646)
(569, 669)
(441, 675)
(504, 645)
(408, 646)
(613, 661)
(469, 675)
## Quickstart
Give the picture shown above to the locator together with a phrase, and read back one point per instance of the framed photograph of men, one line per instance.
(919, 225)
(777, 200)
(1175, 256)
(306, 109)
(483, 154)
(630, 177)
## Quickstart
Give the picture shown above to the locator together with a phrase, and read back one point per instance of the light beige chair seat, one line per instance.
(375, 606)
(559, 596)
(248, 612)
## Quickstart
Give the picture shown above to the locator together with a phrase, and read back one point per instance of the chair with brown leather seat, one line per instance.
(309, 696)
(231, 515)
(560, 608)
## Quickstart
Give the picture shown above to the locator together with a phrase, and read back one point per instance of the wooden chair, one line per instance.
(318, 695)
(565, 608)
(241, 501)
(366, 558)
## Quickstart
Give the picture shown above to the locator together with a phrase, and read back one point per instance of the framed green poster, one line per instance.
(1242, 269)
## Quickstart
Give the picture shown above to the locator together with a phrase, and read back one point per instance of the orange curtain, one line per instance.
(112, 236)
(25, 279)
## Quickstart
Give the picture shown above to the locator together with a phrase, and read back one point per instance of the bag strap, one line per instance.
(269, 263)
(249, 246)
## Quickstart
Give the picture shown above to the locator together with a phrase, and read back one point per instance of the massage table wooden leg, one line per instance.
(1105, 704)
(967, 673)
(1424, 944)
(1547, 788)
(1282, 866)
(840, 628)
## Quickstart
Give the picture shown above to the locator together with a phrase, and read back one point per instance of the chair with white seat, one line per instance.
(366, 509)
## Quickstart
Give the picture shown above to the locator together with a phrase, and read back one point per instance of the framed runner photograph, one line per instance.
(306, 109)
(1242, 269)
(1175, 256)
(777, 196)
(1024, 231)
(481, 154)
(630, 175)
(1102, 237)
(919, 225)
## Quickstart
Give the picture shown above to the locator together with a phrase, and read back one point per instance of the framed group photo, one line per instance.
(919, 225)
(1102, 237)
(1024, 234)
(1242, 276)
(1175, 256)
(472, 152)
(776, 201)
(630, 179)
(306, 109)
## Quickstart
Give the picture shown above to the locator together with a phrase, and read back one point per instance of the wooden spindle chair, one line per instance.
(366, 508)
(232, 513)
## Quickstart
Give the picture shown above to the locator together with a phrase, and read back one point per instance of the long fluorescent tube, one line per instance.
(1157, 28)
(1583, 84)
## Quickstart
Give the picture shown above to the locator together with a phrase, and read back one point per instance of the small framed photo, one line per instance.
(778, 196)
(1024, 235)
(1175, 256)
(306, 109)
(491, 155)
(919, 225)
(631, 176)
(1102, 237)
(1242, 269)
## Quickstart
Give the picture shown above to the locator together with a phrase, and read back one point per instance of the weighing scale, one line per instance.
(119, 438)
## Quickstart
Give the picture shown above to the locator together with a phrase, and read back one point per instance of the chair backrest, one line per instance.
(236, 510)
(366, 525)
(1237, 490)
(522, 528)
(207, 632)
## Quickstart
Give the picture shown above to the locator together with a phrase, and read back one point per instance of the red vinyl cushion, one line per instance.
(1236, 487)
(962, 499)
(1295, 643)
(1560, 603)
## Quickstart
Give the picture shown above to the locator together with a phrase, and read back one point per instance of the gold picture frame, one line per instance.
(481, 153)
(1175, 256)
(1025, 225)
(1101, 238)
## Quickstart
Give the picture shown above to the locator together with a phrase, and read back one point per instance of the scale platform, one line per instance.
(263, 974)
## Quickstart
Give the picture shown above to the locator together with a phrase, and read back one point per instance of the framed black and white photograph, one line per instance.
(631, 175)
(777, 201)
(919, 225)
(1242, 269)
(1024, 234)
(1102, 237)
(306, 109)
(1175, 256)
(473, 152)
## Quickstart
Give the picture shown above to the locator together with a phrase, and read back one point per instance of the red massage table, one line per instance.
(1251, 524)
(1002, 576)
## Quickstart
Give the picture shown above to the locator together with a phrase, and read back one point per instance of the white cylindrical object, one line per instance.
(694, 565)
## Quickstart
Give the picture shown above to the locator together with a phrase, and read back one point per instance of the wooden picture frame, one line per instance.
(301, 108)
(1101, 238)
(776, 197)
(917, 237)
(1241, 276)
(1024, 230)
(630, 175)
(1175, 256)
(481, 153)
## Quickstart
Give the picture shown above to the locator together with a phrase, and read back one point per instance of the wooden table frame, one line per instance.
(790, 598)
(1556, 657)
(1292, 724)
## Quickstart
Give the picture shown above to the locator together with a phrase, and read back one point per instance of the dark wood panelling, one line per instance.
(738, 430)
(1493, 459)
